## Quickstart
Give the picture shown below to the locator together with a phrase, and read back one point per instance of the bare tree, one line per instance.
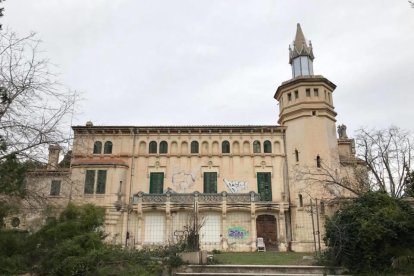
(388, 155)
(34, 107)
(350, 179)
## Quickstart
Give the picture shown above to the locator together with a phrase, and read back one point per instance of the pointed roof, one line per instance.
(300, 46)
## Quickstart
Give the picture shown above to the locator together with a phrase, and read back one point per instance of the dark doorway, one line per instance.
(266, 229)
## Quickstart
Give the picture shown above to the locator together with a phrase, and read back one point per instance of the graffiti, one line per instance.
(182, 180)
(235, 186)
(237, 232)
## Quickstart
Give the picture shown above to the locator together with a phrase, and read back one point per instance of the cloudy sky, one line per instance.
(177, 62)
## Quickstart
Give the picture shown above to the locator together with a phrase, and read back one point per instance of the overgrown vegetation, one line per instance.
(74, 244)
(372, 234)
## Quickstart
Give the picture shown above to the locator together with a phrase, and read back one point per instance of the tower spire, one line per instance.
(301, 55)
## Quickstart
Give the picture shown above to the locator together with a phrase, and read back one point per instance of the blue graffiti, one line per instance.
(237, 232)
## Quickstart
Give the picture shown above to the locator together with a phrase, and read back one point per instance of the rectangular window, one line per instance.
(55, 188)
(210, 182)
(264, 186)
(308, 92)
(101, 182)
(296, 94)
(316, 92)
(156, 183)
(289, 97)
(89, 181)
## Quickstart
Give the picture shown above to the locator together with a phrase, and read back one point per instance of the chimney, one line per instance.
(53, 161)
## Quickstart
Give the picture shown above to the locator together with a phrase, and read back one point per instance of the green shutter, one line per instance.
(264, 186)
(156, 183)
(89, 181)
(55, 188)
(101, 183)
(210, 182)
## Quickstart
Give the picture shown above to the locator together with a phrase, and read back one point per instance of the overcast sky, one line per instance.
(176, 62)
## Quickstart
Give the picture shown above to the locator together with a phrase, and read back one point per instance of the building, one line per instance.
(237, 182)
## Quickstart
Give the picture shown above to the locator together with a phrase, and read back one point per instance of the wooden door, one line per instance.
(266, 228)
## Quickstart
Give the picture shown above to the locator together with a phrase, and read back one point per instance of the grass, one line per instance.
(263, 258)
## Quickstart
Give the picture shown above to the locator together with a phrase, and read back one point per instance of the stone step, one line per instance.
(247, 270)
(241, 274)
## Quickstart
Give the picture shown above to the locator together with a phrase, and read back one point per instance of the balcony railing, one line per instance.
(190, 198)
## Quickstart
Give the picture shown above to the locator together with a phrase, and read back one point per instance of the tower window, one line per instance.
(296, 94)
(297, 155)
(163, 147)
(300, 200)
(267, 146)
(316, 92)
(308, 92)
(289, 97)
(97, 147)
(329, 96)
(325, 95)
(225, 147)
(318, 161)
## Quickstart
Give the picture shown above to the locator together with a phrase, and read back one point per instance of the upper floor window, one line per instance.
(267, 146)
(225, 147)
(256, 147)
(296, 94)
(152, 147)
(97, 147)
(163, 147)
(308, 92)
(108, 147)
(289, 96)
(316, 92)
(194, 147)
(210, 182)
(322, 208)
(300, 200)
(92, 182)
(55, 188)
(318, 161)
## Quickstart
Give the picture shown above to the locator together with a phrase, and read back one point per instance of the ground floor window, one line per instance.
(55, 188)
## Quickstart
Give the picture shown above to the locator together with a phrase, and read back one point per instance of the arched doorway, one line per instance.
(266, 229)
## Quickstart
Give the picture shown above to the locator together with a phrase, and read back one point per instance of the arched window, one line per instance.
(267, 147)
(300, 200)
(152, 147)
(318, 161)
(163, 147)
(97, 147)
(256, 147)
(297, 155)
(194, 147)
(108, 147)
(225, 147)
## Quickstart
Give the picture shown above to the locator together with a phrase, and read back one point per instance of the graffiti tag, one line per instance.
(237, 232)
(235, 186)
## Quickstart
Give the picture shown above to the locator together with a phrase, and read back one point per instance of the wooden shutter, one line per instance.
(89, 181)
(264, 186)
(156, 183)
(210, 182)
(101, 183)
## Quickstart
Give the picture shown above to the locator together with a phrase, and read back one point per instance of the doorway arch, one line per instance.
(266, 228)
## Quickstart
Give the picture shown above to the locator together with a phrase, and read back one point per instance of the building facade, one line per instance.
(237, 183)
